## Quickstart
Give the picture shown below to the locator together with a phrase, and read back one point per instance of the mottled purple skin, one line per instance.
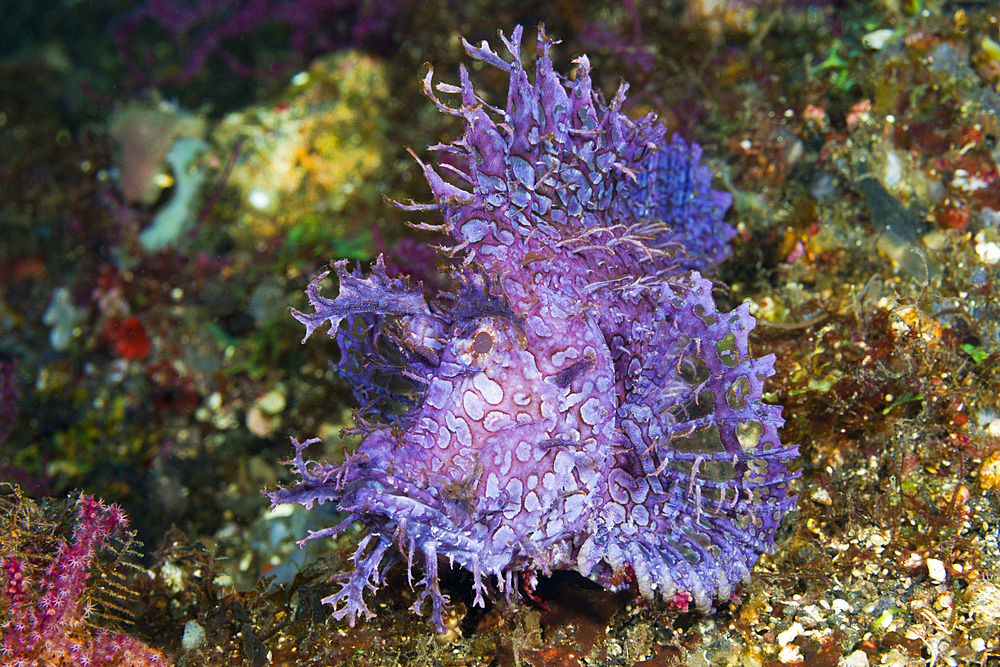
(578, 403)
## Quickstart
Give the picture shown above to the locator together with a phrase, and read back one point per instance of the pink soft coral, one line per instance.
(47, 602)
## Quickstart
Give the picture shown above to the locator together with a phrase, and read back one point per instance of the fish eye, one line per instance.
(482, 343)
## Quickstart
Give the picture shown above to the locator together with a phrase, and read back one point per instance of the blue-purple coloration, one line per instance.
(577, 402)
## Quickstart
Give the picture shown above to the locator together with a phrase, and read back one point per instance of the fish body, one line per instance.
(576, 402)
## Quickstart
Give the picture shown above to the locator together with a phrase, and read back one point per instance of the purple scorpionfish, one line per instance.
(576, 402)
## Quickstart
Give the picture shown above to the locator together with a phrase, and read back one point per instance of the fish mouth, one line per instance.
(379, 493)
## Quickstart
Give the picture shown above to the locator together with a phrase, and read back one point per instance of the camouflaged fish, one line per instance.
(576, 402)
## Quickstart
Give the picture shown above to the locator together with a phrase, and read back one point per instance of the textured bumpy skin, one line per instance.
(577, 402)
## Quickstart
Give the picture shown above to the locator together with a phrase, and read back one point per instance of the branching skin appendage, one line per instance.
(577, 402)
